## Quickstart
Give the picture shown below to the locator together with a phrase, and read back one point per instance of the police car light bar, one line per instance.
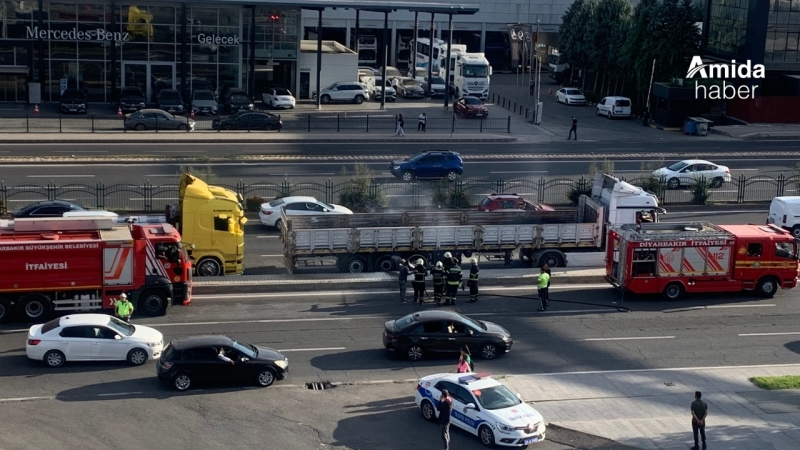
(472, 377)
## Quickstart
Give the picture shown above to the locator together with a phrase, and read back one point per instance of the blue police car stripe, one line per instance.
(458, 415)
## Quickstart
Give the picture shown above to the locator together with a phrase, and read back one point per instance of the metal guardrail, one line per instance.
(466, 192)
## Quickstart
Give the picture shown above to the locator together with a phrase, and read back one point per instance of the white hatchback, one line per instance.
(92, 337)
(270, 213)
(278, 98)
(613, 107)
(482, 406)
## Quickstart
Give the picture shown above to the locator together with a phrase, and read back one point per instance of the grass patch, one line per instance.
(775, 383)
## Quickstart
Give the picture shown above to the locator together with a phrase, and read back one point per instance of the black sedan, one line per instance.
(47, 208)
(74, 101)
(248, 120)
(418, 334)
(219, 360)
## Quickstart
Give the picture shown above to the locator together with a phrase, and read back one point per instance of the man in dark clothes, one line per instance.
(445, 407)
(419, 281)
(699, 413)
(402, 277)
(573, 129)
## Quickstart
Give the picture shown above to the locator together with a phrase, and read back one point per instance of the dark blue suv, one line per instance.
(430, 164)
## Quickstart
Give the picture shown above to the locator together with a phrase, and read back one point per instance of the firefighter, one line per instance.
(473, 281)
(419, 281)
(437, 273)
(453, 282)
(448, 260)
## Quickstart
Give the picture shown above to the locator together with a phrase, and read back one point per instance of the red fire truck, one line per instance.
(677, 258)
(85, 263)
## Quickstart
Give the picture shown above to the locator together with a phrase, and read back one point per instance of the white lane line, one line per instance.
(788, 333)
(25, 399)
(746, 170)
(59, 176)
(621, 149)
(162, 175)
(699, 213)
(523, 171)
(695, 308)
(79, 151)
(629, 338)
(272, 256)
(175, 151)
(114, 394)
(267, 237)
(234, 322)
(321, 349)
(667, 369)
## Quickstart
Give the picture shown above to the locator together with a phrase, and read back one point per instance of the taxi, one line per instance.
(482, 406)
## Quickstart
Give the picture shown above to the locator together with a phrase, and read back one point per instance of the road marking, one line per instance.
(629, 338)
(113, 394)
(695, 308)
(698, 213)
(524, 171)
(788, 333)
(267, 237)
(162, 175)
(321, 349)
(60, 176)
(175, 151)
(233, 322)
(666, 369)
(81, 151)
(25, 399)
(272, 256)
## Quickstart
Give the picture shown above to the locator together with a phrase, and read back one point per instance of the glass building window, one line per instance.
(727, 27)
(783, 27)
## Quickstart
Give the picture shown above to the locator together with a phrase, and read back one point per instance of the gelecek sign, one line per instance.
(219, 40)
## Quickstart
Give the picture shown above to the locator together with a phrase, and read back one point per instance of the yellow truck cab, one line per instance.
(212, 226)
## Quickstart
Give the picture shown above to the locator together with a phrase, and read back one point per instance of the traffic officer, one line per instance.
(543, 285)
(419, 281)
(437, 273)
(123, 308)
(453, 282)
(473, 281)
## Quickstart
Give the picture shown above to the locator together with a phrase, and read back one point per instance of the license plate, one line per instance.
(73, 109)
(478, 115)
(530, 440)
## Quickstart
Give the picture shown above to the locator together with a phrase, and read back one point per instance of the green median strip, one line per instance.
(775, 383)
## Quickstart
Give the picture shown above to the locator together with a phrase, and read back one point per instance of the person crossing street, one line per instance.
(473, 281)
(453, 282)
(419, 281)
(437, 273)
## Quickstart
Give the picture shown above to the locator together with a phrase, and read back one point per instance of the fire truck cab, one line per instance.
(678, 258)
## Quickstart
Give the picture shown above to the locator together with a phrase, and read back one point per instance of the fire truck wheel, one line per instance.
(209, 267)
(34, 306)
(153, 302)
(4, 310)
(767, 287)
(137, 356)
(673, 291)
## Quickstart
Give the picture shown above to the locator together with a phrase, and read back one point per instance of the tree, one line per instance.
(640, 49)
(361, 194)
(608, 27)
(571, 32)
(677, 40)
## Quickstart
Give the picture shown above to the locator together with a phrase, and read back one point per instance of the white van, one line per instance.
(785, 213)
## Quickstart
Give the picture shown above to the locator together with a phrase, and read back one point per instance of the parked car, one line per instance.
(92, 337)
(483, 407)
(430, 164)
(156, 119)
(270, 213)
(204, 102)
(470, 106)
(424, 332)
(46, 208)
(689, 171)
(506, 202)
(785, 213)
(373, 70)
(131, 99)
(409, 88)
(278, 98)
(170, 100)
(74, 101)
(437, 86)
(570, 96)
(219, 360)
(343, 91)
(238, 100)
(248, 120)
(391, 73)
(613, 107)
(374, 89)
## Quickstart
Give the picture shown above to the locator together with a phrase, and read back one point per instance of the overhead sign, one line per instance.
(98, 34)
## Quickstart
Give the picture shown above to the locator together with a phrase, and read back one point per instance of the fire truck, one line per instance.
(84, 263)
(674, 259)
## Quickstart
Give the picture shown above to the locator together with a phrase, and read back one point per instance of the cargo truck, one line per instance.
(84, 264)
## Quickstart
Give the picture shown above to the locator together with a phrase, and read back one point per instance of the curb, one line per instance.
(769, 137)
(375, 140)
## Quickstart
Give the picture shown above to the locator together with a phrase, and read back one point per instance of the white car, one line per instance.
(482, 406)
(92, 337)
(613, 107)
(570, 96)
(343, 91)
(270, 213)
(686, 172)
(204, 102)
(278, 98)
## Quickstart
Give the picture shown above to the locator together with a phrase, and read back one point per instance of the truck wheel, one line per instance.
(413, 259)
(673, 291)
(767, 287)
(355, 264)
(34, 306)
(385, 264)
(552, 259)
(4, 310)
(796, 231)
(209, 267)
(153, 302)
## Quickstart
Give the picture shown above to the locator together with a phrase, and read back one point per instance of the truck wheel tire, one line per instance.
(4, 310)
(153, 302)
(34, 306)
(796, 231)
(552, 259)
(767, 287)
(137, 357)
(355, 264)
(209, 267)
(385, 264)
(413, 259)
(673, 291)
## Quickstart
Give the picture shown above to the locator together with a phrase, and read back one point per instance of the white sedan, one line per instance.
(570, 96)
(278, 98)
(687, 172)
(270, 213)
(482, 406)
(92, 337)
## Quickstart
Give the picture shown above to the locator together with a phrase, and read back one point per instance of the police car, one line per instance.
(483, 407)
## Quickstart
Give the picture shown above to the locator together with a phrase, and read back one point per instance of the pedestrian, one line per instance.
(473, 281)
(419, 281)
(463, 366)
(532, 86)
(699, 412)
(453, 282)
(402, 277)
(123, 308)
(543, 285)
(437, 273)
(445, 409)
(399, 131)
(468, 358)
(422, 119)
(573, 129)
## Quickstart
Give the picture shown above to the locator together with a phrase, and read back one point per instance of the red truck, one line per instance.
(678, 258)
(85, 263)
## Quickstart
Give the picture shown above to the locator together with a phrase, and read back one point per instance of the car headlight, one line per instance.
(282, 364)
(396, 167)
(506, 338)
(505, 428)
(152, 344)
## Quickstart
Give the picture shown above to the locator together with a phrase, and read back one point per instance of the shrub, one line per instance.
(700, 192)
(253, 204)
(361, 194)
(204, 173)
(581, 187)
(451, 195)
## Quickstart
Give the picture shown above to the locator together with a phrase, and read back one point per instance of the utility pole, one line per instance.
(646, 117)
(413, 47)
(447, 72)
(430, 57)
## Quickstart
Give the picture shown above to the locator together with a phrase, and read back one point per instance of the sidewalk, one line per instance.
(649, 409)
(760, 131)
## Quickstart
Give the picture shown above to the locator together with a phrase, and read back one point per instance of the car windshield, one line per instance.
(168, 95)
(121, 327)
(247, 349)
(437, 80)
(404, 322)
(72, 94)
(282, 92)
(472, 100)
(496, 397)
(573, 92)
(331, 87)
(203, 96)
(392, 72)
(623, 103)
(677, 166)
(239, 99)
(476, 324)
(326, 205)
(131, 92)
(409, 82)
(275, 203)
(476, 71)
(416, 158)
(486, 202)
(49, 326)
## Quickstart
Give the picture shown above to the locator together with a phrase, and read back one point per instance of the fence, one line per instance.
(467, 192)
(517, 107)
(291, 122)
